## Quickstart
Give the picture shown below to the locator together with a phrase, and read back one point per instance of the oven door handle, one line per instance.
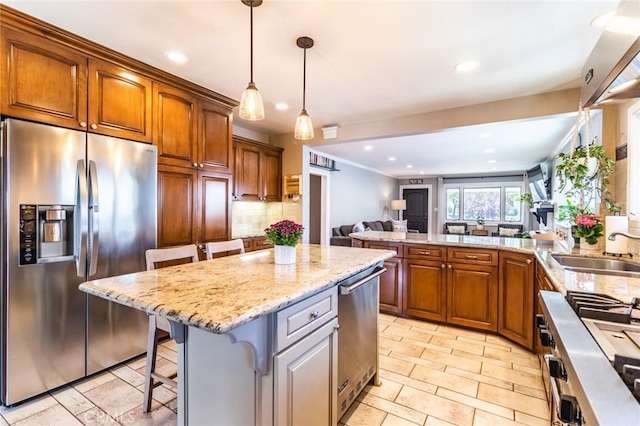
(344, 290)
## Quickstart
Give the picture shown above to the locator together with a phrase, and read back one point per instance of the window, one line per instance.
(495, 203)
(453, 204)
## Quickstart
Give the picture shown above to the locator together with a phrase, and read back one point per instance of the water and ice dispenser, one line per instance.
(46, 233)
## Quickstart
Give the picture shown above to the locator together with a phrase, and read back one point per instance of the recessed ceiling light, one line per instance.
(177, 57)
(489, 150)
(421, 172)
(602, 20)
(409, 166)
(281, 106)
(368, 148)
(466, 66)
(484, 135)
(492, 161)
(494, 168)
(392, 158)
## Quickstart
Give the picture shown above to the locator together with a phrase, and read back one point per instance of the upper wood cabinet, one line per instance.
(258, 171)
(119, 101)
(516, 298)
(190, 131)
(42, 80)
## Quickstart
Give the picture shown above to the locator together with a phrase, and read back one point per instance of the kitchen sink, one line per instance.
(598, 265)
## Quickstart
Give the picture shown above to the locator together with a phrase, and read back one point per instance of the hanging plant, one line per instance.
(585, 168)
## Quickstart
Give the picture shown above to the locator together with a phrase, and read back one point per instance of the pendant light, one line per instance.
(251, 106)
(304, 127)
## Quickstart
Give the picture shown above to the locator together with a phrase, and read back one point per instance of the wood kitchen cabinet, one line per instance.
(194, 206)
(472, 288)
(425, 282)
(256, 243)
(51, 83)
(391, 280)
(516, 298)
(543, 282)
(258, 171)
(190, 131)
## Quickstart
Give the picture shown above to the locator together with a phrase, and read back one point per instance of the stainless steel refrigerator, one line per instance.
(75, 206)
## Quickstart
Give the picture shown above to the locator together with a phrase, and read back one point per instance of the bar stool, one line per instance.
(224, 246)
(151, 378)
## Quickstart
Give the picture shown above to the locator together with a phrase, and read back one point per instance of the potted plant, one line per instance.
(480, 222)
(585, 179)
(284, 235)
(526, 198)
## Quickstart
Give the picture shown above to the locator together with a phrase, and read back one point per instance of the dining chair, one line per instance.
(156, 323)
(224, 246)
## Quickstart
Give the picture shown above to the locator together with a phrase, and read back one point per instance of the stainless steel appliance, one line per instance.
(612, 71)
(358, 337)
(586, 386)
(74, 206)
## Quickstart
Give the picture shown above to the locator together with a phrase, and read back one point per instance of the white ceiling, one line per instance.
(371, 60)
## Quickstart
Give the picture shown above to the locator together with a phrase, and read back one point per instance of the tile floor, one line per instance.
(431, 375)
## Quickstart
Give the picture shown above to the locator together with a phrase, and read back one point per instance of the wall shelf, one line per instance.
(331, 169)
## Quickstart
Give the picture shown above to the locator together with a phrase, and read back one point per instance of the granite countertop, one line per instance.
(622, 288)
(222, 294)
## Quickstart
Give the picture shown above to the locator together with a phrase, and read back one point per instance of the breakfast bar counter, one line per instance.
(285, 314)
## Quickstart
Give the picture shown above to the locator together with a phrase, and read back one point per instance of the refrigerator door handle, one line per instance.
(81, 222)
(94, 230)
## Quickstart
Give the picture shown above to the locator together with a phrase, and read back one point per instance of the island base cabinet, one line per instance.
(301, 395)
(516, 298)
(425, 292)
(218, 380)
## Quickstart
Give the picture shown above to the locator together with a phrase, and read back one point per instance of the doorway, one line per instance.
(315, 209)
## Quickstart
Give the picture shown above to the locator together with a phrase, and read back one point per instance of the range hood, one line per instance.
(612, 71)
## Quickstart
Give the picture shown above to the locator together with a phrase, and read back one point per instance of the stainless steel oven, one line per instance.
(582, 384)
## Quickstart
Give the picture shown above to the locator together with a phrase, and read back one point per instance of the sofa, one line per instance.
(340, 234)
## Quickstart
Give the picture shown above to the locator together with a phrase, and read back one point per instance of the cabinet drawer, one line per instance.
(295, 322)
(425, 252)
(473, 256)
(397, 247)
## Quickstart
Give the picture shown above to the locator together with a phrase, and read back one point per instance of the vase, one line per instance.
(478, 226)
(586, 248)
(284, 255)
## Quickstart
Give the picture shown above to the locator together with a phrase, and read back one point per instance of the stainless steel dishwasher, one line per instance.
(358, 336)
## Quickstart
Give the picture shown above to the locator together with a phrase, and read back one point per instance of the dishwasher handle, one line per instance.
(348, 289)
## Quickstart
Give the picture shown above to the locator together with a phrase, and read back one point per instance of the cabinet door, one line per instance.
(425, 289)
(542, 283)
(472, 296)
(305, 380)
(176, 200)
(175, 126)
(214, 137)
(247, 173)
(214, 207)
(42, 80)
(516, 298)
(391, 286)
(119, 102)
(272, 175)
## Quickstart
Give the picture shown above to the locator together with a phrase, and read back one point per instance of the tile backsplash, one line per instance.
(250, 218)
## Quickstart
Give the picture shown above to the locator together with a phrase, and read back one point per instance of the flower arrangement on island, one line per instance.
(284, 233)
(589, 227)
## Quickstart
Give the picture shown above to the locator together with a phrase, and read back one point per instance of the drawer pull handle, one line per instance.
(314, 314)
(528, 261)
(426, 253)
(468, 256)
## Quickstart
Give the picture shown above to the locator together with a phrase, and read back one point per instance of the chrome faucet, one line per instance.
(612, 236)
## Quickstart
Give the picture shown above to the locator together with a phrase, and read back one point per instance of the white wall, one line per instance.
(359, 194)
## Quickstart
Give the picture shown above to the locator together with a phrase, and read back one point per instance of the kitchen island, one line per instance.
(281, 312)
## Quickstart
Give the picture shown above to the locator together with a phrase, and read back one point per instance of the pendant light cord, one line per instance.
(251, 41)
(304, 79)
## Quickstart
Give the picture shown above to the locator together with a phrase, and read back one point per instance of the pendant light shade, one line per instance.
(304, 127)
(251, 106)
